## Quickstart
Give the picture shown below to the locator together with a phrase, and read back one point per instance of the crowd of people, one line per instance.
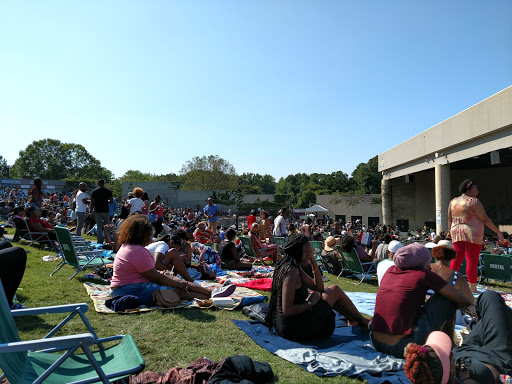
(154, 253)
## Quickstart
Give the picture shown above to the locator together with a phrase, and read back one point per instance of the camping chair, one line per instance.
(497, 267)
(317, 249)
(354, 265)
(76, 258)
(36, 361)
(280, 241)
(23, 232)
(246, 243)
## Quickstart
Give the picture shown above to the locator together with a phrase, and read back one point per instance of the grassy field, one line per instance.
(166, 339)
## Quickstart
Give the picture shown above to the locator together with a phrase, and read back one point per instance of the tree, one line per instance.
(4, 168)
(366, 177)
(208, 173)
(256, 183)
(51, 159)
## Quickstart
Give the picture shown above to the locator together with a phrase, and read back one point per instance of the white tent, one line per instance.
(316, 208)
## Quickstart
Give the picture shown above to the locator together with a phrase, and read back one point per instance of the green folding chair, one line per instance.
(353, 264)
(497, 267)
(280, 241)
(53, 360)
(317, 249)
(78, 259)
(246, 243)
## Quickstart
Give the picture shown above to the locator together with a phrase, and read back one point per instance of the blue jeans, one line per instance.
(144, 291)
(434, 314)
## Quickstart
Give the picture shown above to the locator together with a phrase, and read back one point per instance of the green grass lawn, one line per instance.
(166, 339)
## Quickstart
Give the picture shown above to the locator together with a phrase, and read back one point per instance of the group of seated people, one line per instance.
(403, 325)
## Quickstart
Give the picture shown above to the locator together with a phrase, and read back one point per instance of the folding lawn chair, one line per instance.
(354, 265)
(497, 267)
(23, 232)
(38, 361)
(279, 241)
(74, 257)
(317, 249)
(246, 243)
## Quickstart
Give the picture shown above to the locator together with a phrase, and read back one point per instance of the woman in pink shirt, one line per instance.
(134, 267)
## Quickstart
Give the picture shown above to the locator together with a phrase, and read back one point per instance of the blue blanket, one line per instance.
(348, 352)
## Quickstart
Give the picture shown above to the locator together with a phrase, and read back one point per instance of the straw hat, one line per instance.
(329, 243)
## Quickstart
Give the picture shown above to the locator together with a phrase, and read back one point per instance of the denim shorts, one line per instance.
(144, 291)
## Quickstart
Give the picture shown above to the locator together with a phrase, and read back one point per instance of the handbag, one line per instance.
(166, 298)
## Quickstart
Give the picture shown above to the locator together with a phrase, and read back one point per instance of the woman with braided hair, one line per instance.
(295, 315)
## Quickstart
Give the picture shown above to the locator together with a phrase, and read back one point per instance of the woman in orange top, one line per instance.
(466, 220)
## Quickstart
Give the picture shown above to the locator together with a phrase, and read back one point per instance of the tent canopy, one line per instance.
(316, 208)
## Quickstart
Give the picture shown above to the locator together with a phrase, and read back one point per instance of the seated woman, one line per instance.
(228, 254)
(134, 267)
(167, 256)
(443, 256)
(36, 224)
(261, 250)
(202, 234)
(293, 313)
(348, 243)
(484, 355)
(401, 315)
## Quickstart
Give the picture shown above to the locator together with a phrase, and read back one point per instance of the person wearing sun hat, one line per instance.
(485, 355)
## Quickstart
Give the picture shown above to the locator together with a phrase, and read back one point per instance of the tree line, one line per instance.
(54, 160)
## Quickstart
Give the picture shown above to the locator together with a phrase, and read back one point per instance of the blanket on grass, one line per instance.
(242, 296)
(347, 352)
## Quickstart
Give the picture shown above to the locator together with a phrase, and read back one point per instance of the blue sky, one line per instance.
(275, 87)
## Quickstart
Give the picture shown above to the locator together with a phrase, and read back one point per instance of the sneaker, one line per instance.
(223, 291)
(468, 321)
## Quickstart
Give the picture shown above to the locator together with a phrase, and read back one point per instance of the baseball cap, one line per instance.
(394, 246)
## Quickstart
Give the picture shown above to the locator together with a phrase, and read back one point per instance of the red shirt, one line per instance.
(33, 220)
(203, 237)
(400, 298)
(250, 219)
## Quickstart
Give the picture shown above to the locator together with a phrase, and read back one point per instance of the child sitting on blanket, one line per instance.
(228, 253)
(167, 257)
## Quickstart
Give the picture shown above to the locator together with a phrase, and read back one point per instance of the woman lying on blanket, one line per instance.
(484, 357)
(294, 314)
(401, 315)
(167, 256)
(134, 267)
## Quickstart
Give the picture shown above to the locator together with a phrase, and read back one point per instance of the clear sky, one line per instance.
(275, 87)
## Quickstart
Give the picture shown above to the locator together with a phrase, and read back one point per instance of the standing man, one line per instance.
(211, 211)
(81, 207)
(280, 223)
(101, 197)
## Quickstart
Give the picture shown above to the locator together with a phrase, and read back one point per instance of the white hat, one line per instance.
(446, 243)
(344, 232)
(394, 246)
(430, 245)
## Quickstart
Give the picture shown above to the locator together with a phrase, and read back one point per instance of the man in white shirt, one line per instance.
(82, 202)
(384, 265)
(280, 223)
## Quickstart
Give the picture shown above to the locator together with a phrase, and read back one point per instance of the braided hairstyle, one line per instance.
(292, 257)
(422, 365)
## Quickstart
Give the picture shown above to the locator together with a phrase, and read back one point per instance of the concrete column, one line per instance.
(387, 202)
(442, 180)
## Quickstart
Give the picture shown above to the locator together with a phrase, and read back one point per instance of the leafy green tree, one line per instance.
(51, 159)
(366, 177)
(256, 183)
(208, 173)
(4, 168)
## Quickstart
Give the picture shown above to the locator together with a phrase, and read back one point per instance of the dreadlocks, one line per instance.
(292, 257)
(422, 365)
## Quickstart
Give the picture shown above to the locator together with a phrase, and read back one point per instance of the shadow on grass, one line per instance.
(194, 314)
(29, 323)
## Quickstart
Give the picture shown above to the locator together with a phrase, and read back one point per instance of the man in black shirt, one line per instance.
(100, 198)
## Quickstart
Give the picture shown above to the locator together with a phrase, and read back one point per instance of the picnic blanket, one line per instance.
(347, 352)
(242, 296)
